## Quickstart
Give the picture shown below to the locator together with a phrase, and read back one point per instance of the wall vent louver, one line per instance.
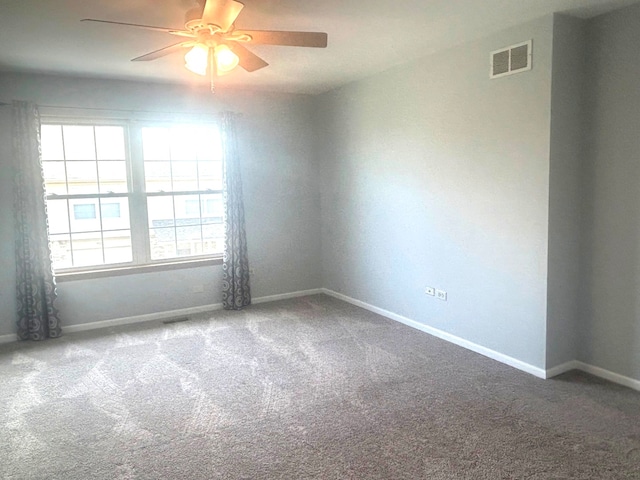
(510, 60)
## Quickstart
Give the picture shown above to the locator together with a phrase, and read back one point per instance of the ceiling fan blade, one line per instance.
(182, 33)
(148, 27)
(291, 39)
(248, 60)
(221, 12)
(161, 52)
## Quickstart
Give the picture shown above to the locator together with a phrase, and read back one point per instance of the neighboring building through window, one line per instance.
(110, 210)
(109, 203)
(84, 211)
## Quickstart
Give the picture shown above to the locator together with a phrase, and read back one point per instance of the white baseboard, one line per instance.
(147, 317)
(609, 375)
(285, 296)
(12, 337)
(181, 312)
(83, 327)
(562, 368)
(487, 352)
(596, 371)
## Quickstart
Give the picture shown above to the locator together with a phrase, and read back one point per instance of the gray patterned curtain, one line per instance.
(236, 293)
(37, 315)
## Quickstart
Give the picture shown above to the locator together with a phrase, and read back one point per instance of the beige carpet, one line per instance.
(304, 388)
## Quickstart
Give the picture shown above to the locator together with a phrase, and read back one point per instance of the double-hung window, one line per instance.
(122, 194)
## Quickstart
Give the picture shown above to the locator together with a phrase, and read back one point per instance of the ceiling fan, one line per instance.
(215, 45)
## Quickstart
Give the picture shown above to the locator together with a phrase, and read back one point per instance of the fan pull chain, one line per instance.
(212, 72)
(212, 69)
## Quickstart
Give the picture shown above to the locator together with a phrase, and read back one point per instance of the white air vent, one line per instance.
(510, 60)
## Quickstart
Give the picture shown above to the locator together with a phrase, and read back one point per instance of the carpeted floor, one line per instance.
(304, 388)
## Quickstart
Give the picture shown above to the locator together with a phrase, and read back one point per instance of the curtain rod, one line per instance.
(2, 104)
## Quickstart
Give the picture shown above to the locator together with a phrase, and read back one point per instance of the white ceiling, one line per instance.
(365, 37)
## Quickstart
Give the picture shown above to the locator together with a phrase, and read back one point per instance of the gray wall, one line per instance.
(433, 174)
(566, 166)
(611, 294)
(280, 184)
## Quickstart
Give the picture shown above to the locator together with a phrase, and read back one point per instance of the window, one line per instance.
(131, 194)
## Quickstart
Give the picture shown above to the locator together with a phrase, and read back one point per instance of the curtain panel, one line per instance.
(236, 292)
(36, 288)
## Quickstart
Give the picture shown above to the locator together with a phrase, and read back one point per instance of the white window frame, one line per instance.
(137, 197)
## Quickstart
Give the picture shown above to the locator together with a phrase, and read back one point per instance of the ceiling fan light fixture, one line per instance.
(197, 58)
(226, 60)
(215, 46)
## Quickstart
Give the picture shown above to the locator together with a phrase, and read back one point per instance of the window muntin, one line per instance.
(97, 216)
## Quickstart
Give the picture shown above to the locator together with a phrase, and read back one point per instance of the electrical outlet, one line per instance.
(198, 289)
(252, 271)
(430, 291)
(441, 295)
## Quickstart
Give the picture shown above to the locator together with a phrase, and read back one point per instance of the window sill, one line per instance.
(135, 269)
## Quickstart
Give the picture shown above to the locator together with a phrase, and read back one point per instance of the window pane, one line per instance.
(210, 175)
(212, 247)
(58, 216)
(84, 215)
(162, 242)
(213, 231)
(208, 143)
(113, 177)
(160, 211)
(110, 143)
(51, 142)
(115, 213)
(188, 143)
(78, 142)
(187, 208)
(87, 249)
(60, 251)
(212, 208)
(184, 142)
(192, 207)
(189, 241)
(185, 176)
(55, 178)
(157, 176)
(213, 238)
(155, 143)
(82, 177)
(117, 246)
